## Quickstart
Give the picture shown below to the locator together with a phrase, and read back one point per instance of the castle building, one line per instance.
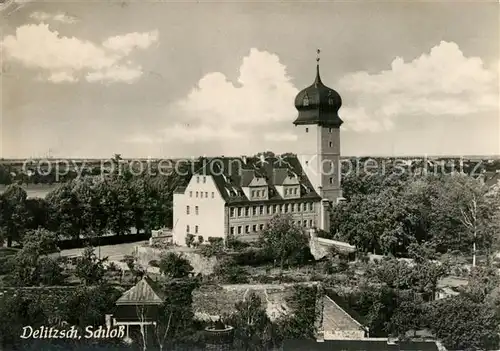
(239, 195)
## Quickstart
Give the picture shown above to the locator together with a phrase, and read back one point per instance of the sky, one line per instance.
(182, 79)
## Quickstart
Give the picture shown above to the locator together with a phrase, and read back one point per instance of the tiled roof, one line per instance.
(145, 292)
(231, 174)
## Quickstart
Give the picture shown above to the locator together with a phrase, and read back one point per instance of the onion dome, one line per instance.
(318, 104)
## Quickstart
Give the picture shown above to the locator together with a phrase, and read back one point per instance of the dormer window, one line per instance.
(306, 101)
(330, 101)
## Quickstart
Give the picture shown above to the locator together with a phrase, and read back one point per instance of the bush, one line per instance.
(189, 240)
(230, 273)
(253, 257)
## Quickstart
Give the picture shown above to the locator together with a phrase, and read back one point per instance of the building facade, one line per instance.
(238, 196)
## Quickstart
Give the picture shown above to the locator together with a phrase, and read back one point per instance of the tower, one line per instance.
(318, 141)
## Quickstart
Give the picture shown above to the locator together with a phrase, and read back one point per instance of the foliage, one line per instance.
(175, 265)
(136, 270)
(215, 247)
(303, 322)
(464, 324)
(176, 319)
(189, 240)
(14, 214)
(418, 217)
(31, 266)
(230, 273)
(253, 329)
(283, 240)
(89, 268)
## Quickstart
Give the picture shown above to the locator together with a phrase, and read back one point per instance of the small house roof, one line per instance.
(145, 292)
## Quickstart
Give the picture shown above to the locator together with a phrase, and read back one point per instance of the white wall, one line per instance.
(210, 217)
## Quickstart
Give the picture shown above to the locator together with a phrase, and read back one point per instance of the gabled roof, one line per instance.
(145, 292)
(232, 174)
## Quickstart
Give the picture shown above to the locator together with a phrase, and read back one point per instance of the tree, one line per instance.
(14, 215)
(31, 266)
(66, 212)
(89, 268)
(306, 307)
(175, 266)
(464, 324)
(253, 329)
(283, 239)
(409, 315)
(229, 272)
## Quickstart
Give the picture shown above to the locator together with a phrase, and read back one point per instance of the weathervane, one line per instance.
(318, 51)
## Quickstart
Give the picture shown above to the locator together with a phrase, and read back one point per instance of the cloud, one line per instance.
(258, 109)
(263, 94)
(58, 17)
(439, 83)
(69, 59)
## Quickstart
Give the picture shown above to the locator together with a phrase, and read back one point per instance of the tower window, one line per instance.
(331, 180)
(330, 101)
(196, 229)
(306, 100)
(330, 144)
(187, 229)
(329, 130)
(307, 130)
(196, 210)
(187, 209)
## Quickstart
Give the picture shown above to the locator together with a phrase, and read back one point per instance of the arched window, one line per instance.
(306, 100)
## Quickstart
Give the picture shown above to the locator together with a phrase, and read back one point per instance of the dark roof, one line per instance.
(359, 345)
(231, 174)
(318, 104)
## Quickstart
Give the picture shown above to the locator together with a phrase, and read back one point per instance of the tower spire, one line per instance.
(318, 78)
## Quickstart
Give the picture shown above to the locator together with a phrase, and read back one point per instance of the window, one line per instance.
(213, 194)
(196, 210)
(311, 223)
(240, 211)
(239, 229)
(197, 179)
(196, 194)
(311, 206)
(330, 144)
(305, 223)
(286, 191)
(331, 180)
(293, 207)
(269, 209)
(261, 226)
(187, 209)
(196, 229)
(281, 208)
(307, 163)
(295, 191)
(275, 209)
(286, 208)
(231, 212)
(307, 130)
(206, 194)
(261, 209)
(204, 179)
(263, 193)
(190, 194)
(254, 212)
(247, 211)
(329, 130)
(253, 193)
(232, 230)
(254, 228)
(330, 101)
(258, 193)
(247, 229)
(187, 229)
(306, 100)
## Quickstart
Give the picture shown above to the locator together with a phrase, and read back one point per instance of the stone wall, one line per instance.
(201, 264)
